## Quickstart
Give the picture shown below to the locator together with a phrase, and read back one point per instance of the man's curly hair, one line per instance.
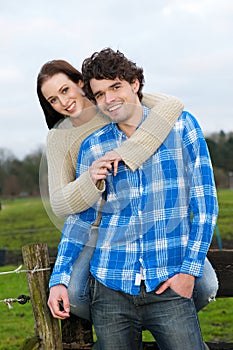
(109, 64)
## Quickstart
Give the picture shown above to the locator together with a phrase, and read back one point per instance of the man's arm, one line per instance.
(203, 198)
(204, 208)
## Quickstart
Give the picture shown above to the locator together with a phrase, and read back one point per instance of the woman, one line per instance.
(73, 117)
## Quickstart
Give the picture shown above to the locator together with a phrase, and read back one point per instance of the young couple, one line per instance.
(143, 204)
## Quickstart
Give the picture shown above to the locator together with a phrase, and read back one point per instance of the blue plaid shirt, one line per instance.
(156, 222)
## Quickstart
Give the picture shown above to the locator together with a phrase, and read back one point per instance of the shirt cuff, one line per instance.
(61, 278)
(192, 267)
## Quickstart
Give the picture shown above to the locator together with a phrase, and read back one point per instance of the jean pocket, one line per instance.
(93, 289)
(173, 292)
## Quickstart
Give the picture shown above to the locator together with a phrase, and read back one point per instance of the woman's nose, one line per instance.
(63, 100)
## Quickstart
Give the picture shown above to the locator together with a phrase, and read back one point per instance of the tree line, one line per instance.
(221, 151)
(21, 177)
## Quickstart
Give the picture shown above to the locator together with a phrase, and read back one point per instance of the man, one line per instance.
(157, 222)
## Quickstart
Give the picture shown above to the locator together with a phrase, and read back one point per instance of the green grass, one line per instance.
(25, 221)
(225, 218)
(16, 324)
(28, 222)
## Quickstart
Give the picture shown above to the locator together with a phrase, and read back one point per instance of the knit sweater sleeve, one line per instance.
(68, 195)
(165, 110)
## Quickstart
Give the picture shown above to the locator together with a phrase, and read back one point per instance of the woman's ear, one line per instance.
(80, 84)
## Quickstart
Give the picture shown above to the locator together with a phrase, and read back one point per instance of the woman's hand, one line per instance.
(114, 157)
(99, 169)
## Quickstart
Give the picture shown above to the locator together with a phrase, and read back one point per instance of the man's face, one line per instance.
(116, 98)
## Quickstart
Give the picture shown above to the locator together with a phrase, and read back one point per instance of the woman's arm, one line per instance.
(69, 195)
(165, 110)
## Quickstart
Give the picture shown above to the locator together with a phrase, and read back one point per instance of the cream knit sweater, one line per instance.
(69, 195)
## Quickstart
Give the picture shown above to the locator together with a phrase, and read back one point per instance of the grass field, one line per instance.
(25, 221)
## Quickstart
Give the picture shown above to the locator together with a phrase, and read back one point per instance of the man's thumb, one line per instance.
(162, 288)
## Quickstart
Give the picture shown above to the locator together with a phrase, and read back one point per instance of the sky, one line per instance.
(184, 46)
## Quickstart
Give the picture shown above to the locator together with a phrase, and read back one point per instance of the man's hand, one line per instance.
(57, 294)
(181, 283)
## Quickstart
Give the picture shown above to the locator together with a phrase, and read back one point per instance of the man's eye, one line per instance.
(64, 91)
(99, 95)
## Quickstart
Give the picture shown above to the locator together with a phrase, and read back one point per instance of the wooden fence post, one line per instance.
(76, 333)
(36, 257)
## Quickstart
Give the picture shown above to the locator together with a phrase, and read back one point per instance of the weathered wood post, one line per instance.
(36, 257)
(76, 333)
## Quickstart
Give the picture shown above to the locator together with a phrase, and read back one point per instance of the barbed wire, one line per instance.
(22, 299)
(18, 270)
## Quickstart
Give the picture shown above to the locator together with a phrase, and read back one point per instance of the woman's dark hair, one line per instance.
(47, 71)
(108, 64)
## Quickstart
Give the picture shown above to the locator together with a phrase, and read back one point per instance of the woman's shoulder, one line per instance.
(67, 138)
(64, 124)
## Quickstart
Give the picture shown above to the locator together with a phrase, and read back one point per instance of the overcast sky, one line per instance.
(185, 48)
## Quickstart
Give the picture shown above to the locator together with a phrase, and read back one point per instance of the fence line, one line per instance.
(18, 270)
(29, 230)
(22, 299)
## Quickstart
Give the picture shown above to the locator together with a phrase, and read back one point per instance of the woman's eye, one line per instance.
(53, 100)
(64, 91)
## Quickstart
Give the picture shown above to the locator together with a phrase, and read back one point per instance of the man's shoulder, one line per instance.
(186, 118)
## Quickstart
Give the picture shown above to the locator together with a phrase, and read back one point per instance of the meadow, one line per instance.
(25, 221)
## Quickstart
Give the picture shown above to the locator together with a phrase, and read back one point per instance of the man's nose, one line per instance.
(109, 97)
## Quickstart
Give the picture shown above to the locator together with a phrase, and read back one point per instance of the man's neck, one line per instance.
(130, 126)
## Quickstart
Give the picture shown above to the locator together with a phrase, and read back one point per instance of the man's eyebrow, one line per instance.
(111, 86)
(96, 93)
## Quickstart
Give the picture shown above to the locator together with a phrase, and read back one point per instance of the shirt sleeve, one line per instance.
(68, 252)
(203, 198)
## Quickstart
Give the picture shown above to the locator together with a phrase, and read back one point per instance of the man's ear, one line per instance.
(135, 85)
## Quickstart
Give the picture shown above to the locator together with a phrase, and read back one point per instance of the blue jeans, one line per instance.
(79, 286)
(205, 288)
(119, 319)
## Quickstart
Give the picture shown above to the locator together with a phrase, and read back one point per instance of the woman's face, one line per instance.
(65, 96)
